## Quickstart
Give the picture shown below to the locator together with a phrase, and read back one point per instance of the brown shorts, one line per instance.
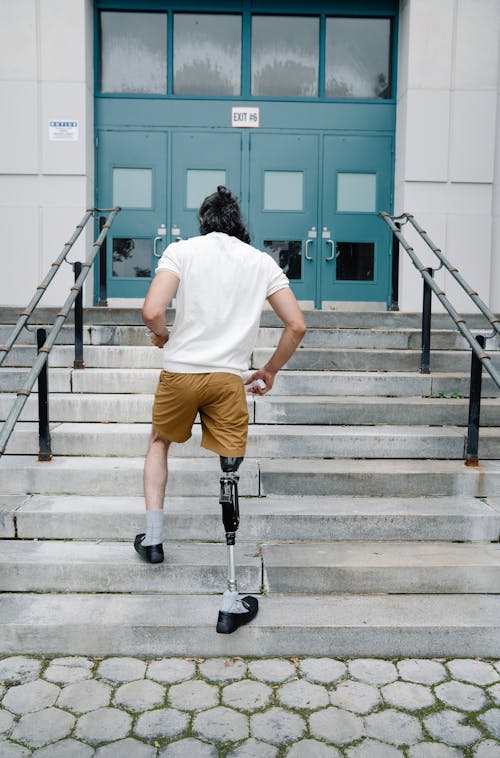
(220, 399)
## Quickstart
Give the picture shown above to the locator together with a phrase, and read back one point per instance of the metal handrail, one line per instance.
(43, 353)
(480, 357)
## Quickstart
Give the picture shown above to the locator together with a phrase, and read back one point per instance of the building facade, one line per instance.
(317, 115)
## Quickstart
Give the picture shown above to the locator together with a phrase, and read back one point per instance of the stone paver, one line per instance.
(65, 749)
(82, 707)
(117, 670)
(422, 671)
(277, 726)
(193, 695)
(323, 670)
(171, 670)
(449, 727)
(85, 696)
(41, 728)
(358, 697)
(247, 695)
(18, 669)
(408, 695)
(30, 697)
(221, 725)
(336, 725)
(465, 697)
(139, 696)
(303, 696)
(161, 723)
(476, 672)
(373, 670)
(393, 727)
(103, 725)
(223, 669)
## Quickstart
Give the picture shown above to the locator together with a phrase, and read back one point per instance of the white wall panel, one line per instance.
(62, 40)
(58, 224)
(431, 40)
(473, 135)
(54, 190)
(18, 43)
(427, 135)
(19, 254)
(410, 280)
(61, 100)
(469, 249)
(18, 128)
(476, 52)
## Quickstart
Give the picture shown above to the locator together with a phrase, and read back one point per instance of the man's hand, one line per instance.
(266, 376)
(158, 341)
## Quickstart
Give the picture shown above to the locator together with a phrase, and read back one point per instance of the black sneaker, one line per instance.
(149, 553)
(230, 622)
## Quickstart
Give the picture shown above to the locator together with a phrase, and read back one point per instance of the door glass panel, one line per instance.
(131, 257)
(285, 56)
(133, 187)
(356, 192)
(283, 190)
(355, 261)
(207, 54)
(134, 52)
(358, 57)
(287, 254)
(200, 183)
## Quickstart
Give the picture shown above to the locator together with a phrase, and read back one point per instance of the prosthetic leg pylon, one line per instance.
(234, 612)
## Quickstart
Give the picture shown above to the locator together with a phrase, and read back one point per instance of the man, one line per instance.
(221, 283)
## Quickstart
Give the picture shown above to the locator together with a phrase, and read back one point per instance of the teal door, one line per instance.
(355, 253)
(283, 208)
(132, 173)
(200, 162)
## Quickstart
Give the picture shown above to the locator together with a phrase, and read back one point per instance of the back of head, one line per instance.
(220, 212)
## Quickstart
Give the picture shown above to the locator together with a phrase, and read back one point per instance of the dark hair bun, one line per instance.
(224, 192)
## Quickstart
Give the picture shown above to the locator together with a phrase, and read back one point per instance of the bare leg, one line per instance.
(155, 472)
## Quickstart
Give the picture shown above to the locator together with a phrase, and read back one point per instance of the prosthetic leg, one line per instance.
(234, 612)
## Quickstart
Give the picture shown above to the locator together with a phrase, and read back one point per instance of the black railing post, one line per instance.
(44, 446)
(395, 271)
(103, 272)
(78, 362)
(425, 358)
(476, 375)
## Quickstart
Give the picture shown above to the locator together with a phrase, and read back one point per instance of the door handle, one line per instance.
(306, 253)
(155, 247)
(332, 256)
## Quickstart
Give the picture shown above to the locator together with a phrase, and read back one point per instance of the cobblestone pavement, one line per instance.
(240, 708)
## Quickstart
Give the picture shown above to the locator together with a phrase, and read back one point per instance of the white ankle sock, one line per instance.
(231, 603)
(154, 527)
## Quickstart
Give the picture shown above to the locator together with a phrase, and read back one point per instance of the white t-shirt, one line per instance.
(223, 285)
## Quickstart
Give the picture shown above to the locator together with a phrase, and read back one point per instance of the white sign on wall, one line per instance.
(245, 117)
(63, 130)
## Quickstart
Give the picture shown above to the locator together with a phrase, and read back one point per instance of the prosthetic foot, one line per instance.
(234, 612)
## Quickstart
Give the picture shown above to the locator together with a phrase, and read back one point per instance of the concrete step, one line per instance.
(392, 567)
(267, 518)
(159, 625)
(271, 409)
(189, 567)
(276, 441)
(295, 383)
(379, 478)
(21, 475)
(317, 359)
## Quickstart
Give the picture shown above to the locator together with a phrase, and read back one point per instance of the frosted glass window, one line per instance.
(131, 257)
(358, 57)
(133, 187)
(134, 52)
(201, 183)
(285, 56)
(356, 193)
(283, 190)
(207, 54)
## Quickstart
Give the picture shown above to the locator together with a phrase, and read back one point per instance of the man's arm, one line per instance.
(162, 289)
(284, 304)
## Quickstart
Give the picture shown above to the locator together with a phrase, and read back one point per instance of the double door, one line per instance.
(309, 199)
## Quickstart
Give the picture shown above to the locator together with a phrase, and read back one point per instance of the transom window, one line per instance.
(316, 56)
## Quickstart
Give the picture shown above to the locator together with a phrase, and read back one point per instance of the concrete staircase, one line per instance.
(362, 530)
